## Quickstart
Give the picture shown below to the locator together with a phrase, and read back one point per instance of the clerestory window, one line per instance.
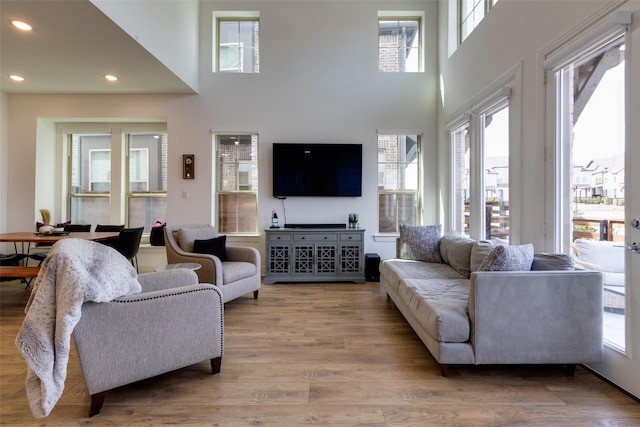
(237, 43)
(399, 44)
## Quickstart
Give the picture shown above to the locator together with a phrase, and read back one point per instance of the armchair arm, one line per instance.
(166, 279)
(536, 316)
(154, 332)
(243, 253)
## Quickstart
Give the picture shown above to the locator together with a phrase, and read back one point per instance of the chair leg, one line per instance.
(216, 364)
(255, 294)
(97, 400)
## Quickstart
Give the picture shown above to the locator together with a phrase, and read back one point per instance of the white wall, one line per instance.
(318, 82)
(167, 29)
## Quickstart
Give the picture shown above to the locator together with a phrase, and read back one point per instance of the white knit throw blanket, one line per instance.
(75, 271)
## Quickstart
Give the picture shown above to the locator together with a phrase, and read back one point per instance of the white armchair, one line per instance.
(238, 275)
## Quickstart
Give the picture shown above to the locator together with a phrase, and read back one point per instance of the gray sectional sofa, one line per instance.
(546, 313)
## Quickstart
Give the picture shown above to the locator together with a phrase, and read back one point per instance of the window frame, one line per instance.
(119, 194)
(230, 16)
(487, 5)
(253, 175)
(416, 193)
(405, 16)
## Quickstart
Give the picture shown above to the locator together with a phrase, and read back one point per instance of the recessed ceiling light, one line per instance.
(16, 77)
(110, 77)
(21, 25)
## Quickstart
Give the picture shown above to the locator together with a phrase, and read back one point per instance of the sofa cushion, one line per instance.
(479, 251)
(609, 256)
(455, 250)
(186, 236)
(420, 242)
(545, 261)
(215, 246)
(508, 258)
(442, 304)
(395, 270)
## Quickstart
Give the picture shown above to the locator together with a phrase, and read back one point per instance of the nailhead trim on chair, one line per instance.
(186, 292)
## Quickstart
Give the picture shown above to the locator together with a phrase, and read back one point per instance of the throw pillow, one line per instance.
(544, 261)
(508, 258)
(420, 242)
(480, 250)
(455, 250)
(186, 236)
(215, 247)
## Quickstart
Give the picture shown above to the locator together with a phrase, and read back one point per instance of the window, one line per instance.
(399, 44)
(237, 183)
(494, 125)
(480, 165)
(470, 13)
(95, 173)
(398, 181)
(461, 174)
(147, 195)
(237, 47)
(90, 178)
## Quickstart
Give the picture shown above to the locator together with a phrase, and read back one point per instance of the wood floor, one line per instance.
(319, 355)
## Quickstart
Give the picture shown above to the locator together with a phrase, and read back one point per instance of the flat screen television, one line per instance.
(317, 170)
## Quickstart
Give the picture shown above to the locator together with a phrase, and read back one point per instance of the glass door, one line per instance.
(590, 92)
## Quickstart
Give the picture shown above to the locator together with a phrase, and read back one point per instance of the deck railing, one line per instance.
(497, 224)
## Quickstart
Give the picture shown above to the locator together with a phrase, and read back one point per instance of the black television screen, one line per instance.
(317, 170)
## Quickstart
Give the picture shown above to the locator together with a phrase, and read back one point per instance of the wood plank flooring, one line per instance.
(319, 355)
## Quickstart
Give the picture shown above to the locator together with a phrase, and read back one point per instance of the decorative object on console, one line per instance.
(274, 220)
(353, 220)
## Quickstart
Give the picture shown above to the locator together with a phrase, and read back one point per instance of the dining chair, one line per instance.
(112, 242)
(128, 244)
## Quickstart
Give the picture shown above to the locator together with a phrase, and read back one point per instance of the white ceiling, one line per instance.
(72, 46)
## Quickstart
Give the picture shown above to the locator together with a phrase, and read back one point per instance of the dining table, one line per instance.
(26, 238)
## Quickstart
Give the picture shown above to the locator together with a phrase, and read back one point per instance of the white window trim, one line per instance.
(599, 29)
(117, 129)
(419, 14)
(217, 15)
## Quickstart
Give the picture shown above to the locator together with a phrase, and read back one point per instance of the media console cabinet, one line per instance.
(314, 255)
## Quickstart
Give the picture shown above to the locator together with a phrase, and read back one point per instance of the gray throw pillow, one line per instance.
(420, 242)
(508, 258)
(455, 250)
(545, 261)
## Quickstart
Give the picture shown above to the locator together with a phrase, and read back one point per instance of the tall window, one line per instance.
(471, 12)
(237, 183)
(399, 45)
(461, 175)
(480, 160)
(398, 182)
(494, 125)
(90, 178)
(238, 42)
(147, 176)
(95, 174)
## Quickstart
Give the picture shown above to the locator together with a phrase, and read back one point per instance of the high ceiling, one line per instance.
(72, 46)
